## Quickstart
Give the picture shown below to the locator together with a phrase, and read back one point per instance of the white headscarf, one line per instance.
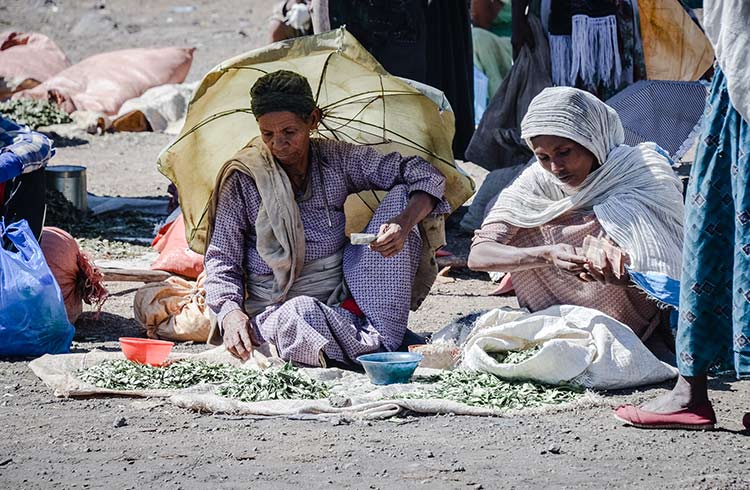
(576, 115)
(635, 194)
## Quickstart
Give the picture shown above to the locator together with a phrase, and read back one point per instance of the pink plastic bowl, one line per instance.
(146, 351)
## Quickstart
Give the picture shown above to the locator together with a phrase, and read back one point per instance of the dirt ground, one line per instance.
(49, 442)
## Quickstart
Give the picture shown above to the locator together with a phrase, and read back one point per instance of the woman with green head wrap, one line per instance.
(279, 268)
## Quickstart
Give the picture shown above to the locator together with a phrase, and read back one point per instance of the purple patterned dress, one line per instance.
(303, 327)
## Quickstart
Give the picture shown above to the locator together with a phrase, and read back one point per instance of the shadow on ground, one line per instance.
(65, 141)
(106, 327)
(116, 226)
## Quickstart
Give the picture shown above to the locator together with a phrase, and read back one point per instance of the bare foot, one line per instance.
(688, 392)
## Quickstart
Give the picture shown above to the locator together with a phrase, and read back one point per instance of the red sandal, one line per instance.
(698, 418)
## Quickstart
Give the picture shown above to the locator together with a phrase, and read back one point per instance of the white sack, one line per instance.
(578, 345)
(164, 106)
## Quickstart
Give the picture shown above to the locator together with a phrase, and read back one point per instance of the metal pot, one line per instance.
(70, 180)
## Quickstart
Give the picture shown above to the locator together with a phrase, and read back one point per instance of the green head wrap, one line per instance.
(282, 90)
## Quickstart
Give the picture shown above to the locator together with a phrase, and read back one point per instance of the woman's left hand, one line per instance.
(604, 276)
(391, 238)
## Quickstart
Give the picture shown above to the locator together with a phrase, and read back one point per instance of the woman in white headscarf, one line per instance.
(586, 182)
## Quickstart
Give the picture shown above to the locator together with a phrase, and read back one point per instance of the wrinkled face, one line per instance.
(570, 162)
(287, 135)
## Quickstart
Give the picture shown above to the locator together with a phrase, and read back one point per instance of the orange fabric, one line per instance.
(174, 254)
(103, 82)
(158, 243)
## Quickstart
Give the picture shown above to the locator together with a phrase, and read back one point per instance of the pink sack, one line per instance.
(174, 254)
(26, 60)
(103, 82)
(79, 279)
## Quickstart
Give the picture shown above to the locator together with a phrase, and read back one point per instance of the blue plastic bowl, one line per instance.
(385, 368)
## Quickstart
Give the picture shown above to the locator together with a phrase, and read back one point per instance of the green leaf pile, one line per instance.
(516, 356)
(488, 391)
(34, 113)
(127, 375)
(284, 383)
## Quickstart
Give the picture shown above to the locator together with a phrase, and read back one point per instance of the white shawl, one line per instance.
(635, 195)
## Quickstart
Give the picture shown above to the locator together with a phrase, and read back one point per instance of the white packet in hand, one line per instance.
(362, 238)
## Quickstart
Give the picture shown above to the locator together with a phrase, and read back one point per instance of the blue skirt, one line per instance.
(714, 323)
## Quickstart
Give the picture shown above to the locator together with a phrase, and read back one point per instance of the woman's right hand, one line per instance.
(238, 335)
(565, 258)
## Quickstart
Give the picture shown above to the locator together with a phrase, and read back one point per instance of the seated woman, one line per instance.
(278, 265)
(586, 182)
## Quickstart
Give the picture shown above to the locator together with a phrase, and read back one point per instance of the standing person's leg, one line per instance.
(704, 332)
(741, 281)
(450, 64)
(393, 31)
(320, 19)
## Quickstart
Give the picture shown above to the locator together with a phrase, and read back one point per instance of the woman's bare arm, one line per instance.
(496, 257)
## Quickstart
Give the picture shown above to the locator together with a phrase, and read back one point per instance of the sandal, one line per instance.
(698, 418)
(746, 421)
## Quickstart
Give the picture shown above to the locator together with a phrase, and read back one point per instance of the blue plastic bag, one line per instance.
(33, 320)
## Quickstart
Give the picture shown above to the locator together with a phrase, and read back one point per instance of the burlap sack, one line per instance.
(174, 309)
